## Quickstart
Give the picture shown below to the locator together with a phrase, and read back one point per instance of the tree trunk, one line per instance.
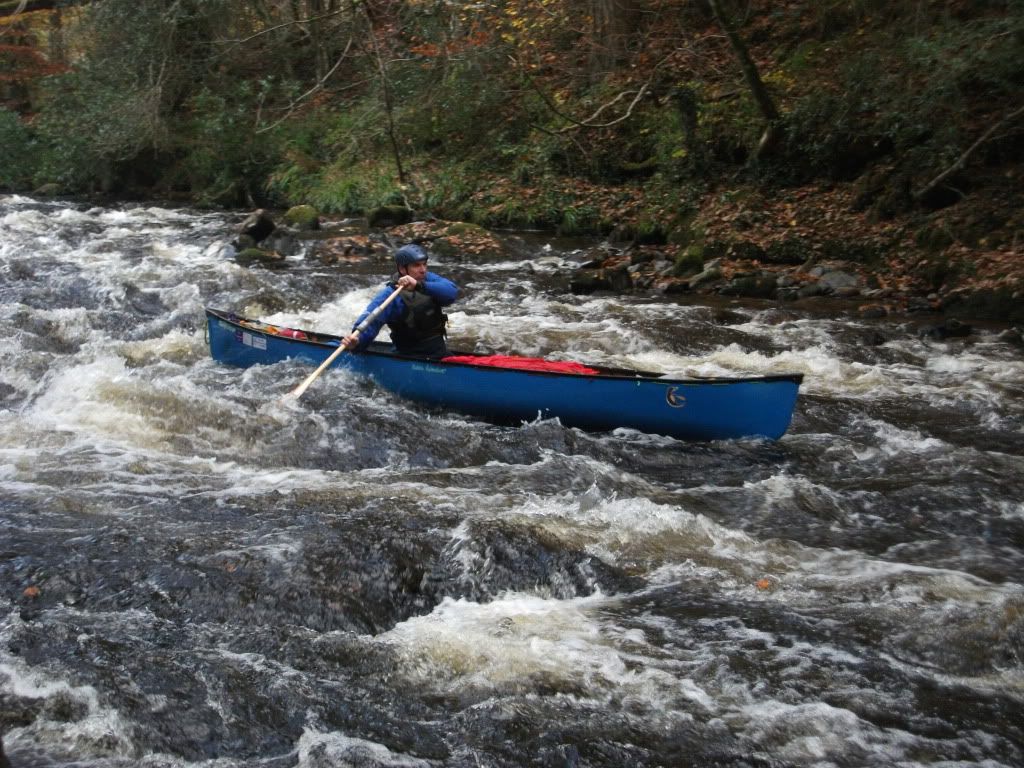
(611, 22)
(765, 105)
(389, 109)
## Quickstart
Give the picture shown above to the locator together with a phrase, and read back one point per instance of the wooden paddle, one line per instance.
(297, 392)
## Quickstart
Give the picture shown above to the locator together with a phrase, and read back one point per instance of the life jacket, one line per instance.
(422, 319)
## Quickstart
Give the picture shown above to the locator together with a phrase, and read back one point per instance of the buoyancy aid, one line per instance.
(422, 319)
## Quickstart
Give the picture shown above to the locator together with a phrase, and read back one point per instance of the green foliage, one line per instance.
(447, 188)
(222, 156)
(907, 94)
(17, 152)
(346, 188)
(87, 126)
(230, 102)
(108, 119)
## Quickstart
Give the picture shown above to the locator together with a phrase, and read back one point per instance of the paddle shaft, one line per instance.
(297, 392)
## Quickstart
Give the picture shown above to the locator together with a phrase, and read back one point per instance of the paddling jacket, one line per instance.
(416, 318)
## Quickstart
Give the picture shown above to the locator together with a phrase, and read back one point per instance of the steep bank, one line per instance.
(964, 261)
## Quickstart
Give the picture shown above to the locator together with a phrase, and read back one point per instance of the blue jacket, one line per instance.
(441, 289)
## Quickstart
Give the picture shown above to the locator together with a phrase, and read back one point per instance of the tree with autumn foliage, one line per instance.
(532, 112)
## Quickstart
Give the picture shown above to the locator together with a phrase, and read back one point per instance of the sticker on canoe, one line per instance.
(673, 399)
(256, 342)
(429, 368)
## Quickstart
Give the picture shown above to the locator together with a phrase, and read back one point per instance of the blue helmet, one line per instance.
(409, 254)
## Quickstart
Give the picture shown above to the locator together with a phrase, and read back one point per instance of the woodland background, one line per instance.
(884, 132)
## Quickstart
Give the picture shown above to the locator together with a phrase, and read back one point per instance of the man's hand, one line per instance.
(351, 340)
(408, 282)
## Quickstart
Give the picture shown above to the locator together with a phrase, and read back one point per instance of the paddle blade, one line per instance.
(296, 393)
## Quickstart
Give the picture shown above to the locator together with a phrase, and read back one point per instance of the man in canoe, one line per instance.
(415, 316)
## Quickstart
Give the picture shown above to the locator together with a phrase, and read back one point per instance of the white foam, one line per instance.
(520, 641)
(817, 734)
(99, 732)
(317, 748)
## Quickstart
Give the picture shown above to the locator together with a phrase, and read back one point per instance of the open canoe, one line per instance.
(687, 409)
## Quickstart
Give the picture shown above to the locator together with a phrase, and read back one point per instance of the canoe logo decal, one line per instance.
(251, 340)
(673, 399)
(429, 368)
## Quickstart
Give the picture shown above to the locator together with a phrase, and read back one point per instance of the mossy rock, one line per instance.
(791, 250)
(686, 232)
(389, 216)
(303, 217)
(689, 262)
(620, 278)
(443, 248)
(465, 229)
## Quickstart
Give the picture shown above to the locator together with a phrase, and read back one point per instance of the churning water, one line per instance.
(191, 575)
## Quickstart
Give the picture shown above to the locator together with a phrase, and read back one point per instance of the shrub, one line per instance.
(17, 158)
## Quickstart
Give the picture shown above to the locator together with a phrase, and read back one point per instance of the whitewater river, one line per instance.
(192, 575)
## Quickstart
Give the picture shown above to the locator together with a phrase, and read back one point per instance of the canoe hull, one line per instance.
(688, 409)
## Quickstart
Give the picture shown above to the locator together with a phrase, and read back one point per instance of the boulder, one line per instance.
(1012, 336)
(839, 282)
(589, 283)
(283, 241)
(303, 217)
(752, 286)
(350, 249)
(389, 216)
(951, 328)
(257, 226)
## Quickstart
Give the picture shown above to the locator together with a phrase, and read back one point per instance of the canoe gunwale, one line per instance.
(380, 349)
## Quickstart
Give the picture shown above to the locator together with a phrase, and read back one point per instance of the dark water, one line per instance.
(192, 575)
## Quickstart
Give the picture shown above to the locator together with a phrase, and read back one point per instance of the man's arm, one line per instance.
(392, 311)
(441, 289)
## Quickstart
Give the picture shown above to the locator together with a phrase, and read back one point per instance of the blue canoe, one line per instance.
(687, 409)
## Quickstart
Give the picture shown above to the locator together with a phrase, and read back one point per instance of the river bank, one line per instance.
(951, 267)
(960, 264)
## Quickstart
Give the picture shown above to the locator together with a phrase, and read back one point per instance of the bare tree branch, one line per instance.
(22, 5)
(588, 122)
(290, 109)
(12, 16)
(962, 160)
(291, 23)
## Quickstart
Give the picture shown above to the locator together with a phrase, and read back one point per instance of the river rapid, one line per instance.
(192, 574)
